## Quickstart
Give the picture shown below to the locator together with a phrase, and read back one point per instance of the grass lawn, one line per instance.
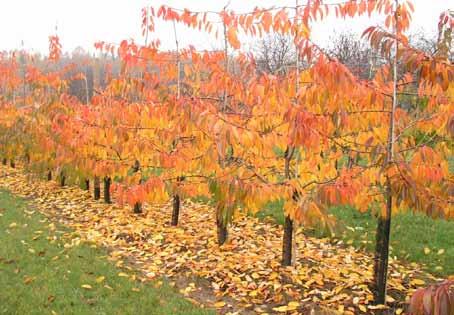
(414, 237)
(38, 275)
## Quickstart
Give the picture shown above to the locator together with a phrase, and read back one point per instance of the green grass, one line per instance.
(412, 235)
(41, 276)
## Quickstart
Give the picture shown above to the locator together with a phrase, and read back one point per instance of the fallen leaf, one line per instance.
(219, 304)
(417, 282)
(100, 279)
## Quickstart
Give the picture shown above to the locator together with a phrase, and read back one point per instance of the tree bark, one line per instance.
(382, 250)
(87, 184)
(287, 242)
(222, 232)
(49, 175)
(221, 227)
(287, 238)
(97, 188)
(384, 220)
(107, 182)
(5, 161)
(62, 179)
(137, 207)
(176, 210)
(12, 163)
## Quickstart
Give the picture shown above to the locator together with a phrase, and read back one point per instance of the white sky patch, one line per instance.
(82, 23)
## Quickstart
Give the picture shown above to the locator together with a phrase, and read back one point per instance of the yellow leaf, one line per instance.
(219, 304)
(399, 311)
(291, 306)
(426, 250)
(13, 225)
(135, 289)
(362, 308)
(86, 286)
(253, 293)
(281, 309)
(273, 275)
(417, 282)
(122, 274)
(158, 237)
(100, 279)
(440, 251)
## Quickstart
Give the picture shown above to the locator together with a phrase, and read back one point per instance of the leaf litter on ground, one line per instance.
(245, 274)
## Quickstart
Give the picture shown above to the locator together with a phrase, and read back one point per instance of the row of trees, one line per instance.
(243, 130)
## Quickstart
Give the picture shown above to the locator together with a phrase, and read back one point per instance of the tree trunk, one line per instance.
(5, 161)
(62, 179)
(384, 220)
(176, 210)
(12, 163)
(97, 188)
(49, 175)
(221, 229)
(87, 184)
(382, 250)
(287, 238)
(107, 182)
(287, 242)
(137, 207)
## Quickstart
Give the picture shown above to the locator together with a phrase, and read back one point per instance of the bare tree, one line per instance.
(355, 53)
(433, 44)
(275, 54)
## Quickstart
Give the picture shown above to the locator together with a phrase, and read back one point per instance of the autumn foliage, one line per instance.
(192, 123)
(436, 299)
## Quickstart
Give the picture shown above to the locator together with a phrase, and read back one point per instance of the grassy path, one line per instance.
(40, 273)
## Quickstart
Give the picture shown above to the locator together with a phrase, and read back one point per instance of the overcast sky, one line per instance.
(83, 22)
